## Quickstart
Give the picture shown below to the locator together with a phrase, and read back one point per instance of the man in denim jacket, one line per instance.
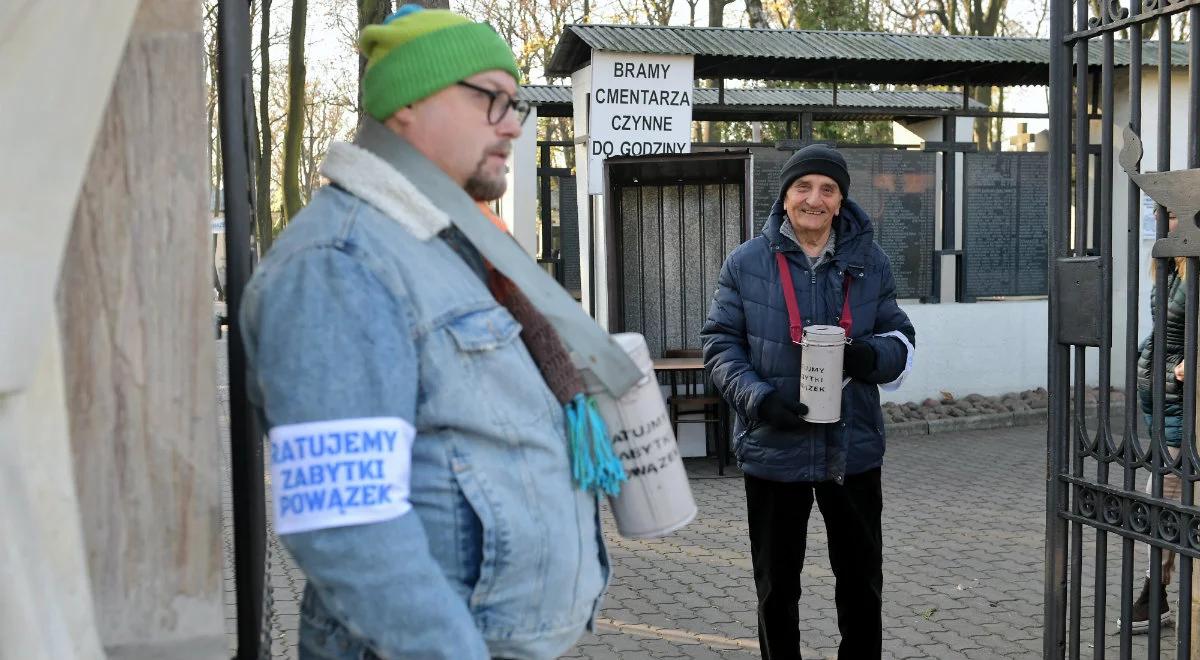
(419, 466)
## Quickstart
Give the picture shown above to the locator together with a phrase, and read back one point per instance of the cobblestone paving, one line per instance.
(963, 527)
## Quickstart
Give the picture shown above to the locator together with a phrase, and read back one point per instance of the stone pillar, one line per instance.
(135, 301)
(581, 89)
(46, 605)
(50, 107)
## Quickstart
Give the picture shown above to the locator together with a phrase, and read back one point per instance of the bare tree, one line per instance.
(214, 141)
(716, 18)
(659, 11)
(210, 75)
(293, 136)
(692, 11)
(654, 12)
(370, 12)
(328, 113)
(433, 4)
(532, 27)
(983, 18)
(978, 19)
(262, 211)
(716, 12)
(831, 15)
(754, 12)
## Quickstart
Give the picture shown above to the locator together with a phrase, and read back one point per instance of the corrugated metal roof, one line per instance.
(830, 55)
(544, 95)
(846, 98)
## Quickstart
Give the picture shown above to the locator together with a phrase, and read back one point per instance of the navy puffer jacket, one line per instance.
(748, 350)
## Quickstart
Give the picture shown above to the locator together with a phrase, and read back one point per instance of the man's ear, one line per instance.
(401, 120)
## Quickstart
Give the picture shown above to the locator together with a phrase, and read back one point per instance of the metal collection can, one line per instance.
(656, 499)
(824, 348)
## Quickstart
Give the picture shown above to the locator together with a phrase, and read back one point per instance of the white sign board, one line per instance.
(1149, 218)
(640, 105)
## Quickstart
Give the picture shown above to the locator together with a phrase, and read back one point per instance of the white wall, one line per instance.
(581, 86)
(518, 207)
(975, 348)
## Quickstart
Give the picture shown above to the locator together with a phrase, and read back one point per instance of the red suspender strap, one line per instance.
(795, 323)
(847, 321)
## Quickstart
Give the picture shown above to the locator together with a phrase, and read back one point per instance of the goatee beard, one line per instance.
(482, 188)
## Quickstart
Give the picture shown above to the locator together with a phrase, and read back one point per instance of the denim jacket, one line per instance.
(360, 310)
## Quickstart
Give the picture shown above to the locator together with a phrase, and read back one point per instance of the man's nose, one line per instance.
(510, 126)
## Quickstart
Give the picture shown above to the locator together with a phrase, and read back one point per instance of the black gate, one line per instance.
(558, 217)
(1105, 470)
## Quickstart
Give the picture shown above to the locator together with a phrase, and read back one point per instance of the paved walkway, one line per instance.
(963, 527)
(963, 520)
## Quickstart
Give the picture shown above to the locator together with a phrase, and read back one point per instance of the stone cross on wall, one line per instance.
(1023, 138)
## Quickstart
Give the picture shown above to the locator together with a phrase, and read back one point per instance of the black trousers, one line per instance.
(778, 514)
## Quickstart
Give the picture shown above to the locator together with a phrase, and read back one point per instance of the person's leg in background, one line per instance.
(853, 513)
(1172, 490)
(1140, 619)
(778, 516)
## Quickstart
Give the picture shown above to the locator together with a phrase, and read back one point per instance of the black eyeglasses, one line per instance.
(500, 103)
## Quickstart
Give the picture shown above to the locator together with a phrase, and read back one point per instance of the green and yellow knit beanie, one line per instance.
(417, 52)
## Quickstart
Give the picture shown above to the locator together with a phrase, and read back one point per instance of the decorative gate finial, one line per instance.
(1177, 190)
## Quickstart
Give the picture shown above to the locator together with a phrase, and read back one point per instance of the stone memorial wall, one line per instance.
(1005, 220)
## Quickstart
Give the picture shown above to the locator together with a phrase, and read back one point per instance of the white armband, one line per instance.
(910, 351)
(340, 472)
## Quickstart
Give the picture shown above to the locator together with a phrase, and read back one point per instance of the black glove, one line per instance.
(858, 359)
(781, 413)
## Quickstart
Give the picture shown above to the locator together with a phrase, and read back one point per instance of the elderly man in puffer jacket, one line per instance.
(839, 276)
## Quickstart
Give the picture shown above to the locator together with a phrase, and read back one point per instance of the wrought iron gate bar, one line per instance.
(1158, 363)
(1082, 443)
(1131, 510)
(1131, 447)
(1103, 244)
(1142, 538)
(1193, 143)
(1125, 23)
(1191, 460)
(1188, 455)
(1192, 282)
(236, 117)
(1058, 357)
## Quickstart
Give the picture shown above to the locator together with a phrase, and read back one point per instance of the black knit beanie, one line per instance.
(815, 159)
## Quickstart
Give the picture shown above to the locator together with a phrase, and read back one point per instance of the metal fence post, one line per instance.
(249, 508)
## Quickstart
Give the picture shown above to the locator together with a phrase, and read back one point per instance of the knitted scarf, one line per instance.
(594, 467)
